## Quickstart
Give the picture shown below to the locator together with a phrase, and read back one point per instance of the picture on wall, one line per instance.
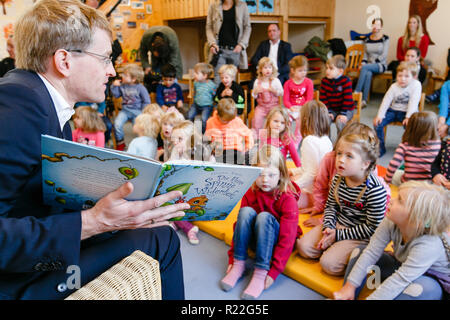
(265, 6)
(251, 5)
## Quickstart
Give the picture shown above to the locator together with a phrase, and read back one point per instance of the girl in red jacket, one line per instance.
(267, 223)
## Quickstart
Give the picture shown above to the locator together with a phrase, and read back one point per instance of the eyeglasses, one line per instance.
(105, 59)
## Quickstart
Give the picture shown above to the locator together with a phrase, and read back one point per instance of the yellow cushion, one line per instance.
(307, 272)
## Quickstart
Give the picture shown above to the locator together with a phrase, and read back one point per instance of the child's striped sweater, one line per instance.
(359, 218)
(336, 94)
(417, 160)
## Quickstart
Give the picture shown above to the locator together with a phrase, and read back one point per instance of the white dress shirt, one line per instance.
(64, 110)
(273, 52)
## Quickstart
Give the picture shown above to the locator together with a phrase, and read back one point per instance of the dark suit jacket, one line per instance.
(284, 55)
(34, 238)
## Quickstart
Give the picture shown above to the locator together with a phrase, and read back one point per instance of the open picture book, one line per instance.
(75, 176)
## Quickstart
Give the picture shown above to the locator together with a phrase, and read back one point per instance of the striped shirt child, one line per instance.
(417, 161)
(359, 209)
(336, 94)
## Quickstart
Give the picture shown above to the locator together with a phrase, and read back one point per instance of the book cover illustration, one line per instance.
(76, 176)
(212, 190)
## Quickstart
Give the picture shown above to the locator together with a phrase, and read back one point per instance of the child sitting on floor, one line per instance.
(268, 216)
(277, 133)
(440, 169)
(315, 128)
(355, 206)
(147, 129)
(416, 222)
(169, 120)
(182, 146)
(420, 146)
(400, 101)
(327, 170)
(229, 133)
(89, 127)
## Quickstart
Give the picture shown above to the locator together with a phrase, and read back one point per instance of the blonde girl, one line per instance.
(89, 127)
(416, 223)
(266, 90)
(168, 121)
(420, 146)
(155, 110)
(327, 170)
(314, 128)
(184, 144)
(147, 128)
(267, 222)
(277, 133)
(355, 206)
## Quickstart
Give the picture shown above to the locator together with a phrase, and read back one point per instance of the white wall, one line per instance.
(351, 15)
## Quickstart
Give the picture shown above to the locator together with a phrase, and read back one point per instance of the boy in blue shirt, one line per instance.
(169, 93)
(204, 91)
(134, 98)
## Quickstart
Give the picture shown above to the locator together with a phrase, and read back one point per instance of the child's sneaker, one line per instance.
(192, 235)
(120, 146)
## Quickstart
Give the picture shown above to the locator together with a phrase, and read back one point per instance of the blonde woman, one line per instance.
(413, 37)
(416, 222)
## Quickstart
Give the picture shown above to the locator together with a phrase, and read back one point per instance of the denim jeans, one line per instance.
(365, 78)
(257, 231)
(123, 116)
(391, 116)
(204, 110)
(431, 289)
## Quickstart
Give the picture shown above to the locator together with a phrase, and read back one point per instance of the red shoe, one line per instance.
(120, 146)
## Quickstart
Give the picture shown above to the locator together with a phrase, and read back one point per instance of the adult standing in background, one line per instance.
(376, 47)
(63, 55)
(278, 50)
(413, 37)
(228, 32)
(164, 47)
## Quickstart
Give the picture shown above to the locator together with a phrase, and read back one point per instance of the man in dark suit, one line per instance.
(56, 67)
(280, 51)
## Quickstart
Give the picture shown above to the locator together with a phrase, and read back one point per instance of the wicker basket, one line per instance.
(136, 277)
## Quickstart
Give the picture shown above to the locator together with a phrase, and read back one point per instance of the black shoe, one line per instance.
(434, 97)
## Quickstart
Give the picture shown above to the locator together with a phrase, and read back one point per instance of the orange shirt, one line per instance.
(234, 135)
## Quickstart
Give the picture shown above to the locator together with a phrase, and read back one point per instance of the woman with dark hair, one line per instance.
(228, 32)
(376, 47)
(163, 45)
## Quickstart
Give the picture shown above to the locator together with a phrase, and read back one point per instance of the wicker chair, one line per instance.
(136, 277)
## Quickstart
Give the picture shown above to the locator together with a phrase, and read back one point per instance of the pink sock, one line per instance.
(256, 285)
(230, 279)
